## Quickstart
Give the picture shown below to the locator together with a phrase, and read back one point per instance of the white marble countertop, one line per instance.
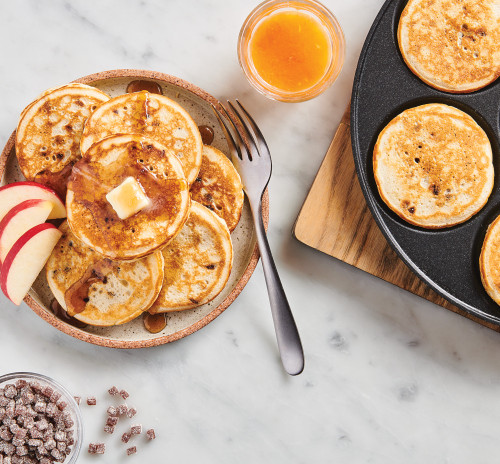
(389, 378)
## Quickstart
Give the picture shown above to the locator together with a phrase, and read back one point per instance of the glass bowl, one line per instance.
(328, 24)
(71, 405)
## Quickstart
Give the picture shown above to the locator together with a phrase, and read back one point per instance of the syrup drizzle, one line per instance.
(149, 86)
(154, 323)
(76, 296)
(61, 314)
(207, 134)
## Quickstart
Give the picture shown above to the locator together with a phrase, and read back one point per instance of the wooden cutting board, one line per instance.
(336, 220)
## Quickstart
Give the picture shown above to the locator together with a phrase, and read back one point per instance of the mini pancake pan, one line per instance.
(445, 259)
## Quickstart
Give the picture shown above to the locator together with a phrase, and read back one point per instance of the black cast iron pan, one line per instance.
(446, 259)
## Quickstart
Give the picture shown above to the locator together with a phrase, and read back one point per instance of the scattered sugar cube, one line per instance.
(109, 428)
(136, 429)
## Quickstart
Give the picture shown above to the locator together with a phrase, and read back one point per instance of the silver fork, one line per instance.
(253, 162)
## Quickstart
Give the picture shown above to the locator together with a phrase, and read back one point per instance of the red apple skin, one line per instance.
(59, 210)
(9, 259)
(14, 211)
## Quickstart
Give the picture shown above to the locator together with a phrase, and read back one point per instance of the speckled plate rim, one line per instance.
(127, 344)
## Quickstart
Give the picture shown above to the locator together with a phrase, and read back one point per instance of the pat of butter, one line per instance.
(128, 198)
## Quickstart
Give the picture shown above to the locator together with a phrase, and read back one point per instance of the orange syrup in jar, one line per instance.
(291, 51)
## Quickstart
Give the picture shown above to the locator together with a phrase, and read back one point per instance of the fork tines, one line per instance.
(245, 133)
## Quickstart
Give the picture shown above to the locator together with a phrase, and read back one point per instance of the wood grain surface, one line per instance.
(336, 220)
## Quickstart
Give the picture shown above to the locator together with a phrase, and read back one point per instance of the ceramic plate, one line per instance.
(181, 323)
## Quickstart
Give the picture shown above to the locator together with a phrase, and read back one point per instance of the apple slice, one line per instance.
(26, 259)
(19, 220)
(13, 194)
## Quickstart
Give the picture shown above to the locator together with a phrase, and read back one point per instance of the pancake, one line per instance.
(104, 167)
(489, 261)
(433, 166)
(197, 262)
(218, 186)
(452, 45)
(49, 131)
(98, 291)
(151, 115)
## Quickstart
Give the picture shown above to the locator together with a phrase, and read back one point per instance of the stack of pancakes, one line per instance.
(173, 254)
(433, 164)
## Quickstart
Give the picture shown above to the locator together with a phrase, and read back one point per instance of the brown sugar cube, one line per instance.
(111, 411)
(61, 446)
(112, 421)
(150, 434)
(113, 391)
(91, 401)
(109, 428)
(40, 406)
(126, 437)
(18, 441)
(97, 448)
(21, 383)
(100, 448)
(136, 429)
(62, 405)
(78, 400)
(131, 412)
(58, 456)
(124, 394)
(22, 450)
(122, 409)
(10, 391)
(60, 435)
(50, 444)
(47, 391)
(131, 450)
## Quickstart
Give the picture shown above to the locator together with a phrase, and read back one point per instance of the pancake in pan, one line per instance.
(197, 262)
(218, 186)
(433, 166)
(49, 131)
(489, 261)
(104, 167)
(452, 45)
(98, 291)
(153, 116)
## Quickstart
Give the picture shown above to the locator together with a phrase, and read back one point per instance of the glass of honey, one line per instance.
(291, 51)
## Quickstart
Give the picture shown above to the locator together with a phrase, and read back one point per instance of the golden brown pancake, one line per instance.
(218, 186)
(433, 166)
(98, 291)
(452, 45)
(104, 167)
(49, 131)
(489, 261)
(153, 116)
(197, 262)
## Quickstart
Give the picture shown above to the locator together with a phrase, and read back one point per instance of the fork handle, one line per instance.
(289, 344)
